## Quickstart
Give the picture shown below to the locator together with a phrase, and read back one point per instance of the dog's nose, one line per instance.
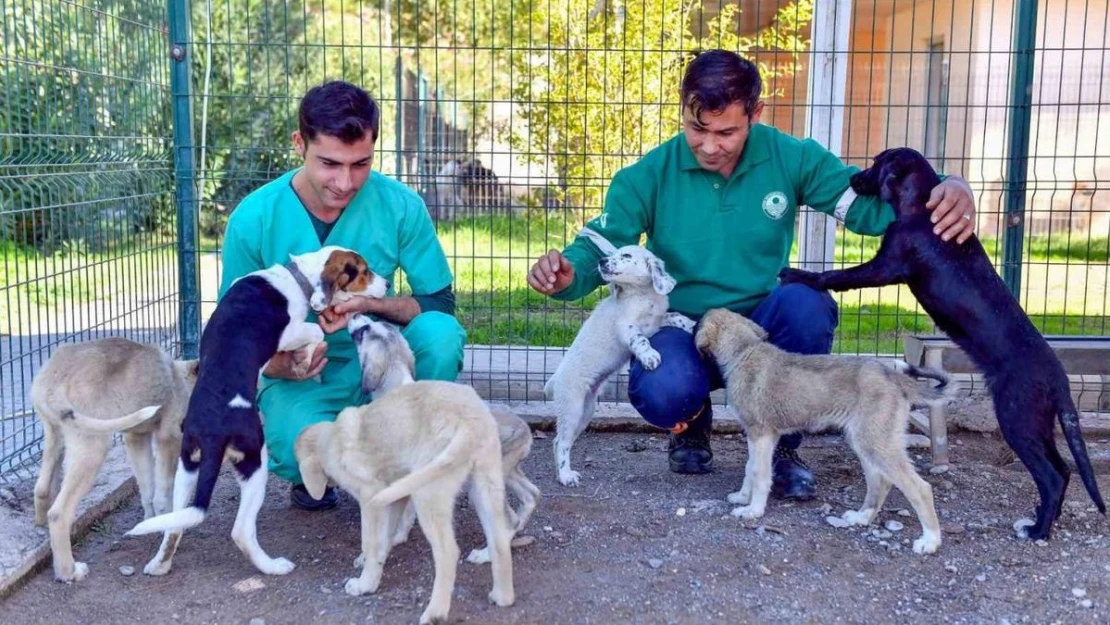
(387, 285)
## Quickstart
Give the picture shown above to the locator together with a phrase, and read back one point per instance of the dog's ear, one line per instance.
(660, 279)
(340, 270)
(190, 368)
(308, 462)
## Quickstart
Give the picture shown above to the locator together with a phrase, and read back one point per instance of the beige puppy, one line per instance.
(423, 441)
(388, 362)
(776, 392)
(84, 394)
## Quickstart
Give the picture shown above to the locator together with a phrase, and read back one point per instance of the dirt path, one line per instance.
(633, 544)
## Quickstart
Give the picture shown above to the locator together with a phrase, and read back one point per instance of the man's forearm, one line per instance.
(399, 310)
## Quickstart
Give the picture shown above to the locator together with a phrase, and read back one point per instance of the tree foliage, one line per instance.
(599, 88)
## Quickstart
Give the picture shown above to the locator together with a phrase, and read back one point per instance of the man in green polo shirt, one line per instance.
(718, 204)
(336, 199)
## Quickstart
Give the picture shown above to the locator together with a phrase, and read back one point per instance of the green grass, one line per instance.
(490, 258)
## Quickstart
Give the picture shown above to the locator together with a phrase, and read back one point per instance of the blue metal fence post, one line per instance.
(184, 178)
(1021, 102)
(421, 129)
(399, 117)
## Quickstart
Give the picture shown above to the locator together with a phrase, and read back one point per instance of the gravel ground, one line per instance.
(633, 544)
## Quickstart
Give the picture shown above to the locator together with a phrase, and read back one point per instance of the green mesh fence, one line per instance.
(511, 117)
(87, 219)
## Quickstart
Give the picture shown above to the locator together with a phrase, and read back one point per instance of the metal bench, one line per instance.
(1083, 357)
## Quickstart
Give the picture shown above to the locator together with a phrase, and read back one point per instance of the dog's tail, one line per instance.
(90, 424)
(1069, 422)
(211, 458)
(448, 461)
(924, 395)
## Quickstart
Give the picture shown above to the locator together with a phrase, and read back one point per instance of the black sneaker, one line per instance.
(792, 478)
(689, 451)
(299, 497)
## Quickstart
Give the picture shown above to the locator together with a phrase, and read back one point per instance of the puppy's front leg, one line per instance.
(680, 321)
(299, 334)
(761, 447)
(883, 270)
(638, 344)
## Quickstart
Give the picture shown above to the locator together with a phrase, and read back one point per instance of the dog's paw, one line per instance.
(80, 572)
(478, 556)
(650, 359)
(501, 598)
(928, 543)
(357, 587)
(748, 512)
(434, 616)
(740, 497)
(858, 517)
(1021, 527)
(318, 302)
(680, 321)
(568, 477)
(276, 566)
(157, 567)
(799, 276)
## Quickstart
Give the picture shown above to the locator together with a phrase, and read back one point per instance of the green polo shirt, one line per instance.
(724, 240)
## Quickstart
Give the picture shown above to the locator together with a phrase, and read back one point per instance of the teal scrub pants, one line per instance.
(288, 406)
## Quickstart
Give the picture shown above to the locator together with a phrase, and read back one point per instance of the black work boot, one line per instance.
(689, 451)
(300, 498)
(792, 478)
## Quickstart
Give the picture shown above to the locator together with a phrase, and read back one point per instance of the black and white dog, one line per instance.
(959, 288)
(262, 313)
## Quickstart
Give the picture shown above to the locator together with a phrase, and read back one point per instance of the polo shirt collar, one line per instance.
(755, 152)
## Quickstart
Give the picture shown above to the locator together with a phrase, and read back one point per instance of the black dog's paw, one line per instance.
(800, 276)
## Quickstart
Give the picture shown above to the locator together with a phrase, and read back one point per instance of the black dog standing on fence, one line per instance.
(959, 288)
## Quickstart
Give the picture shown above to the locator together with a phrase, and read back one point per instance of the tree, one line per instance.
(598, 88)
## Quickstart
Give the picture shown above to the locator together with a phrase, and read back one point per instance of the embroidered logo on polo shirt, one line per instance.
(775, 204)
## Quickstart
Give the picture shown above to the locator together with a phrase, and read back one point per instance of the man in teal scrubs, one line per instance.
(336, 199)
(718, 204)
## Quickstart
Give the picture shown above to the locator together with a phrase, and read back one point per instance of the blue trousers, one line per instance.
(797, 318)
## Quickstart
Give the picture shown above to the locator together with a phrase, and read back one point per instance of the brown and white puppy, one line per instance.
(262, 313)
(421, 441)
(79, 396)
(777, 392)
(388, 362)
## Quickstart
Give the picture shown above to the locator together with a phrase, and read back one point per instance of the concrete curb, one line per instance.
(115, 486)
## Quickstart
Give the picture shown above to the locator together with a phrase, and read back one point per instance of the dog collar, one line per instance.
(302, 280)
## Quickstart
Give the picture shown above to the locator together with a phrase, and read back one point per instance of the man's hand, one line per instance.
(551, 273)
(297, 365)
(953, 209)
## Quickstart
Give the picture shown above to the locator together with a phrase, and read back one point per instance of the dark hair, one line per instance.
(717, 78)
(338, 109)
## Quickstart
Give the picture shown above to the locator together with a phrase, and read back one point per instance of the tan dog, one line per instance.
(422, 441)
(776, 392)
(79, 396)
(388, 362)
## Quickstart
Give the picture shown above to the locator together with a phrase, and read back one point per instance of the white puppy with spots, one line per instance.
(616, 330)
